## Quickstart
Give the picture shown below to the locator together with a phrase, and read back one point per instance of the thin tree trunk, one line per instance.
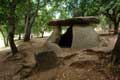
(116, 26)
(27, 23)
(42, 33)
(27, 29)
(19, 38)
(11, 27)
(4, 38)
(30, 19)
(110, 26)
(7, 41)
(116, 52)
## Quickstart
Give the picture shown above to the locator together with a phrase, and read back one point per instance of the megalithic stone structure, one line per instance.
(80, 33)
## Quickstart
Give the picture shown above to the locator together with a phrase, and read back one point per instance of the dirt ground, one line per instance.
(77, 64)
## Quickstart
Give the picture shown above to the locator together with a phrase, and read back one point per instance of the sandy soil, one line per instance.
(77, 64)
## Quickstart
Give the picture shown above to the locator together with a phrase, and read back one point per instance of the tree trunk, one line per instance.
(116, 52)
(27, 28)
(11, 27)
(110, 26)
(29, 20)
(4, 38)
(116, 26)
(42, 33)
(19, 38)
(6, 41)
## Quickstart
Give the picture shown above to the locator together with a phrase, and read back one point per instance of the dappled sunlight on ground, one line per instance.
(7, 49)
(3, 48)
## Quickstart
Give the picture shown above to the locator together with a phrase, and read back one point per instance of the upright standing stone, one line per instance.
(84, 37)
(55, 37)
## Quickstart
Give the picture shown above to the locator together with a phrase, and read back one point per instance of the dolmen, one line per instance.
(80, 32)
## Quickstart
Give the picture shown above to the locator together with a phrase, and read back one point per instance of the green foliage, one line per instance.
(111, 9)
(83, 7)
(58, 9)
(52, 10)
(41, 22)
(103, 22)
